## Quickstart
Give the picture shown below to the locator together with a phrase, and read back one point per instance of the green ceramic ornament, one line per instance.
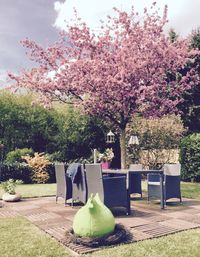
(94, 219)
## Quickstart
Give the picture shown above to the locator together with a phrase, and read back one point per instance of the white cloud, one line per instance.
(183, 14)
(3, 78)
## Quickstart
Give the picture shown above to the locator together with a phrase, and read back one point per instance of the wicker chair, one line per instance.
(67, 189)
(171, 183)
(112, 190)
(135, 179)
(63, 183)
(79, 189)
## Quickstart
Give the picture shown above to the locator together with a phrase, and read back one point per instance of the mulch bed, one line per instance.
(119, 235)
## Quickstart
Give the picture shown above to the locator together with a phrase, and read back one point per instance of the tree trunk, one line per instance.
(123, 148)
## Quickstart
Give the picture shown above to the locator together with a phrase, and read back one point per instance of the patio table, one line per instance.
(145, 172)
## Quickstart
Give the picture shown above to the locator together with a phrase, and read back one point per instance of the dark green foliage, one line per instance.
(190, 157)
(190, 109)
(15, 155)
(25, 126)
(63, 132)
(16, 171)
(172, 35)
(78, 135)
(23, 172)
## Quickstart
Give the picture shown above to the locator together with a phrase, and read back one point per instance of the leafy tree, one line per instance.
(78, 135)
(129, 67)
(190, 108)
(23, 125)
(16, 155)
(173, 36)
(63, 131)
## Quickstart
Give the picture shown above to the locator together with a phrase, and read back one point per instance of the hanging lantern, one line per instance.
(110, 137)
(133, 141)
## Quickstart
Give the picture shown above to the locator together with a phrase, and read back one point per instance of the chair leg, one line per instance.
(148, 198)
(56, 199)
(128, 208)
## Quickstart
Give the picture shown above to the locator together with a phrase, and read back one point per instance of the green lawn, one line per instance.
(190, 190)
(22, 239)
(35, 190)
(19, 238)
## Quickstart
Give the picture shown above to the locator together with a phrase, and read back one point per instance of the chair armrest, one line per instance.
(113, 178)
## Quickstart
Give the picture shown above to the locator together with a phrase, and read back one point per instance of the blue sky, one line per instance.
(41, 20)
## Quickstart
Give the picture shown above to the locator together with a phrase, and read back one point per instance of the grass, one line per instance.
(35, 190)
(190, 190)
(22, 239)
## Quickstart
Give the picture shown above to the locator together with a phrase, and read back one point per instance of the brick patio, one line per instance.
(146, 220)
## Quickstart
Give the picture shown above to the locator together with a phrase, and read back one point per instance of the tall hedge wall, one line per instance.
(22, 172)
(190, 157)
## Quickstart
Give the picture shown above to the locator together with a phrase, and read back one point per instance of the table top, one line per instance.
(125, 171)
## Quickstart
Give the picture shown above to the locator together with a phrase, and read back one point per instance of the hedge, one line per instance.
(190, 157)
(23, 172)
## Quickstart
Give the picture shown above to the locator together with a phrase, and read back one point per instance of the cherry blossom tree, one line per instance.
(130, 66)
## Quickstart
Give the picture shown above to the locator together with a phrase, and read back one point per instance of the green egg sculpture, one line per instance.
(94, 219)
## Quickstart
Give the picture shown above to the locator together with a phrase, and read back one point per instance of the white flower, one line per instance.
(106, 156)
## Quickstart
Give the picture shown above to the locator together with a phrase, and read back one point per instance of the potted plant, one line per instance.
(9, 187)
(105, 158)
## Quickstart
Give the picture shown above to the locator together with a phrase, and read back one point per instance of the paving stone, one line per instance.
(196, 207)
(195, 218)
(133, 221)
(177, 214)
(138, 235)
(157, 218)
(179, 224)
(155, 229)
(192, 210)
(24, 207)
(42, 216)
(52, 223)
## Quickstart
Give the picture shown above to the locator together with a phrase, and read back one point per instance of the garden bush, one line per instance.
(16, 171)
(38, 164)
(23, 172)
(190, 157)
(16, 155)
